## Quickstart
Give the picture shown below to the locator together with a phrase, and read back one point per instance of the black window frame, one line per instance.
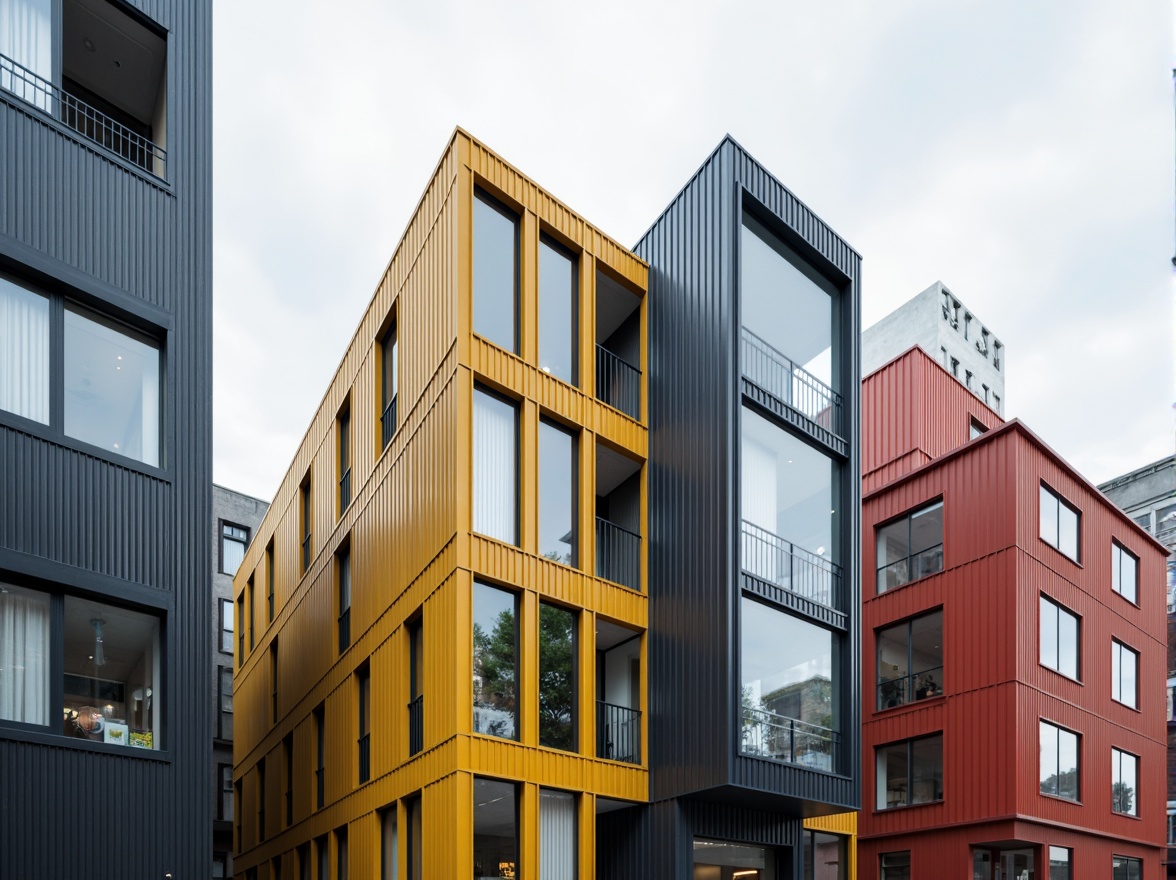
(516, 408)
(363, 682)
(343, 457)
(341, 855)
(1117, 756)
(1045, 488)
(908, 783)
(305, 518)
(909, 516)
(269, 578)
(225, 527)
(389, 348)
(416, 695)
(320, 761)
(251, 603)
(1118, 685)
(1060, 729)
(223, 672)
(496, 204)
(224, 774)
(548, 240)
(241, 655)
(1118, 551)
(1132, 868)
(1059, 609)
(226, 624)
(913, 681)
(343, 573)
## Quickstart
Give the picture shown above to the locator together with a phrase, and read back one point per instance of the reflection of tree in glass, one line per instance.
(556, 683)
(1064, 784)
(494, 672)
(1122, 797)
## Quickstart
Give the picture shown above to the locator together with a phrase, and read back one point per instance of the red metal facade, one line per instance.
(995, 690)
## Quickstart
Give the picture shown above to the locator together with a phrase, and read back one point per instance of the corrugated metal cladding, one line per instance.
(695, 401)
(414, 558)
(913, 410)
(78, 221)
(996, 691)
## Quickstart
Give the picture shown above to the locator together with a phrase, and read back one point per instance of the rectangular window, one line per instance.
(1124, 572)
(557, 834)
(1059, 638)
(896, 866)
(976, 428)
(234, 540)
(252, 596)
(269, 578)
(389, 384)
(1059, 863)
(1124, 674)
(496, 835)
(320, 757)
(910, 772)
(25, 655)
(1124, 782)
(790, 688)
(341, 853)
(24, 348)
(322, 850)
(496, 480)
(388, 845)
(824, 856)
(495, 662)
(558, 328)
(304, 862)
(225, 701)
(414, 850)
(416, 673)
(344, 567)
(241, 629)
(742, 861)
(1059, 762)
(343, 426)
(557, 677)
(238, 802)
(305, 521)
(288, 752)
(1124, 868)
(224, 803)
(261, 799)
(1059, 523)
(364, 683)
(910, 548)
(558, 496)
(274, 681)
(910, 661)
(495, 272)
(226, 626)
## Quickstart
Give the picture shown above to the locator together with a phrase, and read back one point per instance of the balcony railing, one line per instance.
(784, 380)
(770, 558)
(618, 383)
(910, 568)
(618, 733)
(618, 554)
(92, 124)
(345, 491)
(344, 630)
(903, 689)
(388, 421)
(416, 725)
(365, 757)
(768, 735)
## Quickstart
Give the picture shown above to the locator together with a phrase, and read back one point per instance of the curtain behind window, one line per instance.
(557, 835)
(24, 350)
(26, 37)
(495, 468)
(24, 655)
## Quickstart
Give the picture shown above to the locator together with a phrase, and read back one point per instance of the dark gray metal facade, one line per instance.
(696, 392)
(82, 223)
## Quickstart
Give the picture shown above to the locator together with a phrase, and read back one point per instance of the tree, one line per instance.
(557, 691)
(495, 674)
(1123, 798)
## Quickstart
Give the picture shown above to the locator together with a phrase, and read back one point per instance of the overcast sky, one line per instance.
(1022, 153)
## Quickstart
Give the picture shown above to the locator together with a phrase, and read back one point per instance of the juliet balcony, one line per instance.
(788, 383)
(790, 567)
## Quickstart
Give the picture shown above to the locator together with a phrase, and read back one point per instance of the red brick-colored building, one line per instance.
(1014, 651)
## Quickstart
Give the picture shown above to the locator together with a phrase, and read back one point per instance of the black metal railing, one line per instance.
(320, 787)
(618, 733)
(92, 124)
(902, 689)
(910, 568)
(791, 385)
(618, 554)
(768, 735)
(618, 383)
(388, 420)
(416, 725)
(306, 552)
(365, 757)
(770, 558)
(344, 630)
(345, 490)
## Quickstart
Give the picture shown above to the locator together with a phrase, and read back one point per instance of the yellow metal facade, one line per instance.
(414, 557)
(844, 824)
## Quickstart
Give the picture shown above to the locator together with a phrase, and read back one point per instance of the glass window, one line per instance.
(495, 247)
(1059, 863)
(1124, 573)
(558, 498)
(324, 858)
(341, 853)
(344, 560)
(910, 547)
(1124, 674)
(976, 428)
(365, 689)
(252, 610)
(557, 834)
(557, 311)
(113, 675)
(241, 629)
(24, 346)
(910, 661)
(226, 625)
(1124, 782)
(1059, 523)
(495, 467)
(225, 701)
(496, 836)
(414, 850)
(111, 388)
(788, 493)
(305, 520)
(388, 845)
(389, 384)
(1124, 868)
(1059, 638)
(557, 679)
(344, 439)
(824, 856)
(789, 693)
(320, 761)
(896, 866)
(269, 578)
(1059, 762)
(25, 655)
(722, 859)
(910, 772)
(234, 540)
(495, 662)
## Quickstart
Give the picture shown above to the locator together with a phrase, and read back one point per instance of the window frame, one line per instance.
(516, 598)
(226, 624)
(269, 578)
(343, 459)
(908, 783)
(492, 201)
(225, 525)
(273, 652)
(548, 239)
(909, 516)
(224, 774)
(1126, 863)
(1059, 609)
(1117, 684)
(1118, 552)
(1059, 730)
(320, 755)
(1061, 503)
(1117, 757)
(516, 409)
(363, 682)
(221, 694)
(305, 520)
(908, 624)
(343, 613)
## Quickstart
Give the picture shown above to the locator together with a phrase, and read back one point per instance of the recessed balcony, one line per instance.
(793, 386)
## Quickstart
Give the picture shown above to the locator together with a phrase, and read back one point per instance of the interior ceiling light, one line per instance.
(89, 44)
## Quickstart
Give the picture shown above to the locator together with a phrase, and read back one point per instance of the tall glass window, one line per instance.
(1125, 868)
(389, 383)
(1059, 863)
(25, 655)
(1059, 523)
(1059, 762)
(824, 856)
(910, 547)
(558, 498)
(495, 662)
(1059, 638)
(909, 773)
(788, 493)
(24, 345)
(1124, 674)
(557, 311)
(26, 36)
(557, 677)
(495, 467)
(496, 248)
(910, 661)
(1124, 782)
(414, 851)
(496, 833)
(789, 687)
(111, 388)
(557, 835)
(234, 539)
(388, 845)
(1124, 572)
(896, 866)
